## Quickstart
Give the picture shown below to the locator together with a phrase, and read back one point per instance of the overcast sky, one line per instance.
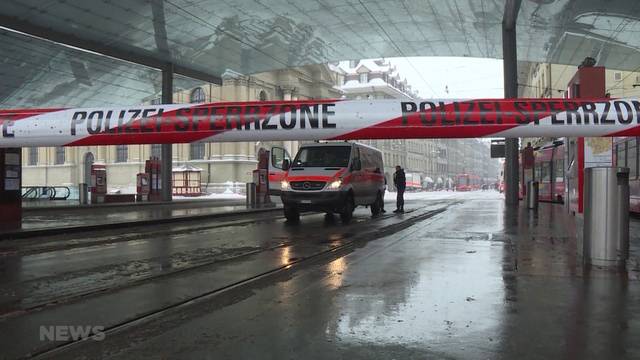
(465, 78)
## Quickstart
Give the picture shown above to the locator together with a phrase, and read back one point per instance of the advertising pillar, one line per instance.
(10, 189)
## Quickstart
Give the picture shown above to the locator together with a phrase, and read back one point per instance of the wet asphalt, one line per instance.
(459, 277)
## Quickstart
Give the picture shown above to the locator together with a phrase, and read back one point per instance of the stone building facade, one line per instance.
(224, 165)
(545, 80)
(439, 160)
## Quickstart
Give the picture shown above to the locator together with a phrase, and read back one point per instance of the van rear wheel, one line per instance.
(347, 211)
(291, 213)
(376, 207)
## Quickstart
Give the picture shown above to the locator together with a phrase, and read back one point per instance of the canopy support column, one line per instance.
(166, 154)
(10, 189)
(510, 69)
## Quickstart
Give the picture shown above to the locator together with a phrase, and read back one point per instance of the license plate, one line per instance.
(305, 201)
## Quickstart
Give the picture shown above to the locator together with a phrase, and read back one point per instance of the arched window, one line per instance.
(122, 153)
(197, 96)
(196, 151)
(33, 156)
(263, 95)
(60, 158)
(156, 150)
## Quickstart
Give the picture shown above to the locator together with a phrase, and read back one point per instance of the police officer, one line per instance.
(400, 182)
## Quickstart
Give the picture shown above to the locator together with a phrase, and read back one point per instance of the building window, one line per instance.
(156, 101)
(263, 95)
(156, 150)
(122, 153)
(353, 63)
(196, 151)
(617, 76)
(59, 159)
(197, 96)
(364, 78)
(33, 156)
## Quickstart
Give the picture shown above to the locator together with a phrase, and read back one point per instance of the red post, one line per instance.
(588, 82)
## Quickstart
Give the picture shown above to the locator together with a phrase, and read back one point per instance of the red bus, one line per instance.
(468, 182)
(549, 169)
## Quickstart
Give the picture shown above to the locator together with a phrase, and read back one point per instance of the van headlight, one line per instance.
(284, 185)
(335, 185)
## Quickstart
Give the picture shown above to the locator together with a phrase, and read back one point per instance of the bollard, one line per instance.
(251, 194)
(606, 216)
(532, 194)
(83, 193)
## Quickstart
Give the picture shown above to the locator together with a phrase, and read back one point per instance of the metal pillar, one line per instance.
(10, 189)
(166, 154)
(510, 68)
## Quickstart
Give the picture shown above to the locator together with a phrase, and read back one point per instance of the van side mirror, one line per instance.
(286, 164)
(356, 165)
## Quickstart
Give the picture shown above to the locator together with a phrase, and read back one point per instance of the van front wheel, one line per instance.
(291, 213)
(376, 207)
(347, 210)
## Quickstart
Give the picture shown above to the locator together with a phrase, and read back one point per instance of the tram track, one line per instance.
(293, 265)
(22, 247)
(69, 289)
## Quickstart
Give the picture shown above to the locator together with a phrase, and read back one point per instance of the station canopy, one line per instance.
(206, 39)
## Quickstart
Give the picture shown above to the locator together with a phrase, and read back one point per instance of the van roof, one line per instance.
(338, 143)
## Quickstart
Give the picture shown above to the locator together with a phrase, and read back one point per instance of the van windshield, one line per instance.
(323, 156)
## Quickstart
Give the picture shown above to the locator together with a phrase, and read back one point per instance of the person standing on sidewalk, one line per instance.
(400, 182)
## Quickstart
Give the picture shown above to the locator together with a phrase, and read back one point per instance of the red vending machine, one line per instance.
(153, 168)
(142, 187)
(98, 183)
(588, 82)
(261, 177)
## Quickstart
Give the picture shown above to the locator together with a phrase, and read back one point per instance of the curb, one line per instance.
(22, 234)
(133, 205)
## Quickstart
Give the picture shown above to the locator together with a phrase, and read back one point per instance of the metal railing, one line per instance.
(46, 192)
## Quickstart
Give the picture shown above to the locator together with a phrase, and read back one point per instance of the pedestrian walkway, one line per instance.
(478, 281)
(54, 220)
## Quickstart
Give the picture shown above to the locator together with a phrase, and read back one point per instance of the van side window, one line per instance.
(277, 157)
(356, 156)
(364, 159)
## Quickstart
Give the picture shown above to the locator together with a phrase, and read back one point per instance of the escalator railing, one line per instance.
(45, 192)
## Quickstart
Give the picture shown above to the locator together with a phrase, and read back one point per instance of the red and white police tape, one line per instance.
(320, 120)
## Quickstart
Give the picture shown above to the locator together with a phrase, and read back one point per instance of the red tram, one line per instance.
(468, 182)
(549, 170)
